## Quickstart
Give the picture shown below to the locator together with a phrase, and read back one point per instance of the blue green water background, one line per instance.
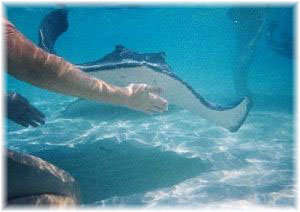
(121, 158)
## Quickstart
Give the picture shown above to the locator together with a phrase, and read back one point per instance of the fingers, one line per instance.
(36, 111)
(31, 122)
(29, 119)
(158, 103)
(37, 118)
(21, 122)
(146, 98)
(155, 109)
(36, 115)
(153, 89)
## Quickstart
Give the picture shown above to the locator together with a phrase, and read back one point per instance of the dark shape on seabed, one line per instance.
(120, 169)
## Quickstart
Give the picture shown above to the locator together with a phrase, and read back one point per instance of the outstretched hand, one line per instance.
(145, 98)
(22, 112)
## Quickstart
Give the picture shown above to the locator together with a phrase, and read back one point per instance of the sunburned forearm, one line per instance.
(28, 63)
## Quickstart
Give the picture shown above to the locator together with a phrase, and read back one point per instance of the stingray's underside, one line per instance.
(123, 67)
(177, 92)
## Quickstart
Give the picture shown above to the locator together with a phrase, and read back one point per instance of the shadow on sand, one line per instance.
(107, 168)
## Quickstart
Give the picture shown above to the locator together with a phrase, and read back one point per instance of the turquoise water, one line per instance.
(123, 158)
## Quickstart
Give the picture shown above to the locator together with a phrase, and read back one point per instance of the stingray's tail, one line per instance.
(52, 26)
(229, 117)
(232, 117)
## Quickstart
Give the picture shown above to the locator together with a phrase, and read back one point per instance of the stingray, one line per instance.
(123, 67)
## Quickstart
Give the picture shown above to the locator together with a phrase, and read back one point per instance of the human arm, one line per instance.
(29, 63)
(21, 111)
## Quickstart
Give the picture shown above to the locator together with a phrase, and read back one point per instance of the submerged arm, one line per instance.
(28, 63)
